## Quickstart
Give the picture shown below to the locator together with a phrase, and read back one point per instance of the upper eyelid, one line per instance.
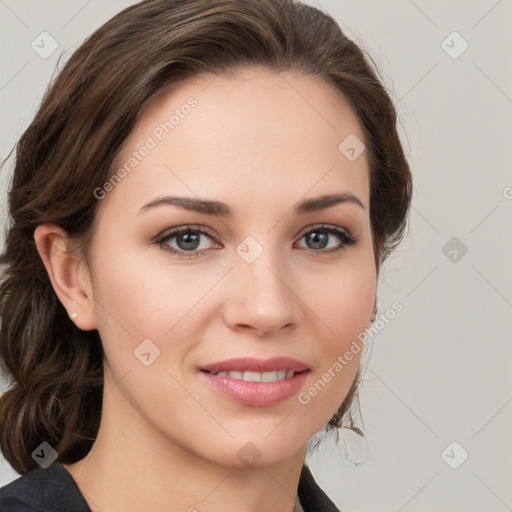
(324, 225)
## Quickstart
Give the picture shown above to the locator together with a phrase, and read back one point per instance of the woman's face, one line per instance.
(264, 282)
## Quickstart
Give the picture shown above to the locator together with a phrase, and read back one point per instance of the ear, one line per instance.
(68, 274)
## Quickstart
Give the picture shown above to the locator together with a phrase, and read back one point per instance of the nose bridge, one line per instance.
(263, 298)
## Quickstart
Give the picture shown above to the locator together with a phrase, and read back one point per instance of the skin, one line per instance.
(167, 441)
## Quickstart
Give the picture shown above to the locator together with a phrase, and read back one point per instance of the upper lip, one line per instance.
(252, 364)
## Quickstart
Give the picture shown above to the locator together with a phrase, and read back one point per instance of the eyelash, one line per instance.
(346, 238)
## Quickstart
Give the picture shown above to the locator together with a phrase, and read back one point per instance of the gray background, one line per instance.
(440, 371)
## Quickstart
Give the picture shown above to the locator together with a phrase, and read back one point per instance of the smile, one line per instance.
(249, 376)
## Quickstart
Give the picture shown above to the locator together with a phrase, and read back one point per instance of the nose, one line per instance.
(262, 299)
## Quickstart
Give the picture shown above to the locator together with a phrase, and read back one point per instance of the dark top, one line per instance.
(54, 490)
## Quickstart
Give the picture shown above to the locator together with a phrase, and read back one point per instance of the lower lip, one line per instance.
(256, 393)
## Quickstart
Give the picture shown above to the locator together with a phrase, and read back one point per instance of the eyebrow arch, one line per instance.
(219, 209)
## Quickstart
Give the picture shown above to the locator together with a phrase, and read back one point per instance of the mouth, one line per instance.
(256, 382)
(250, 376)
(251, 369)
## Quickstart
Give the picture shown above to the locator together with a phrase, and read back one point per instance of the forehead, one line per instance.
(254, 134)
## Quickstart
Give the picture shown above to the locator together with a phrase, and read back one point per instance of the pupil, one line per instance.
(186, 237)
(315, 236)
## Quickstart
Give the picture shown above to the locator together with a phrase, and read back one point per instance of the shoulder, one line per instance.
(19, 494)
(41, 490)
(8, 504)
(312, 497)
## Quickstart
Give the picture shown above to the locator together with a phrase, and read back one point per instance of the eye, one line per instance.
(319, 238)
(188, 240)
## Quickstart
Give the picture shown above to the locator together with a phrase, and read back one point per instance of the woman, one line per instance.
(200, 209)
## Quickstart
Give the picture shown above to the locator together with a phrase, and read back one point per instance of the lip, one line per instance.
(252, 364)
(257, 394)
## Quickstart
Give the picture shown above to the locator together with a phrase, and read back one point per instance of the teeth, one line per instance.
(258, 376)
(253, 376)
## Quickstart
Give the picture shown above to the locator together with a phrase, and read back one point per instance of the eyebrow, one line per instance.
(219, 209)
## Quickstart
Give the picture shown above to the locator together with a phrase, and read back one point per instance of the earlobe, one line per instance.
(68, 274)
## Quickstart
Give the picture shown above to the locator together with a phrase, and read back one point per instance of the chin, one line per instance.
(265, 448)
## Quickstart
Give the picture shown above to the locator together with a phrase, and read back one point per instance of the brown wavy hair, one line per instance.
(68, 150)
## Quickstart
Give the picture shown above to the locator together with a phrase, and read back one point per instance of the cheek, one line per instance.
(136, 296)
(329, 383)
(127, 307)
(342, 301)
(138, 299)
(343, 305)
